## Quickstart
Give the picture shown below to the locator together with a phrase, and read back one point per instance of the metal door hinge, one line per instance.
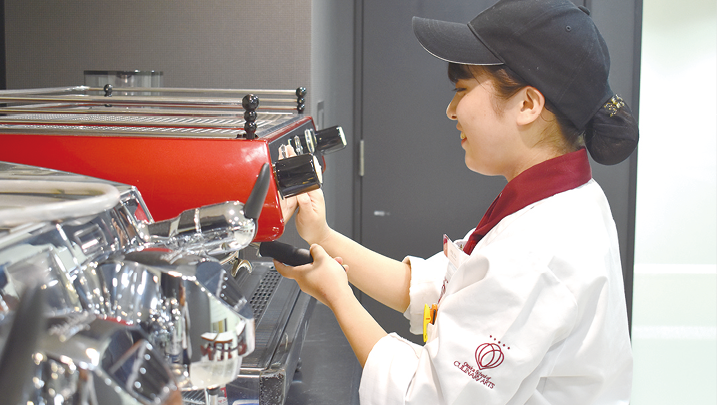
(361, 160)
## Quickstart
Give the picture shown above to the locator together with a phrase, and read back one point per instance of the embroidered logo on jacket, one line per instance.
(487, 355)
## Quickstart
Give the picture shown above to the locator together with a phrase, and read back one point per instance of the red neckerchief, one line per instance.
(541, 181)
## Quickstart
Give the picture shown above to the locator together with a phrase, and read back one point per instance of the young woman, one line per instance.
(529, 307)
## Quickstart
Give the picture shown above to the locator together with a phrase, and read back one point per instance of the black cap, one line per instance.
(551, 44)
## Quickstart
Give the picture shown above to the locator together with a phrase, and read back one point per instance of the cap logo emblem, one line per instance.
(614, 104)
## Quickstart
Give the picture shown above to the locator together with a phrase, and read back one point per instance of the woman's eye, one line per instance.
(459, 89)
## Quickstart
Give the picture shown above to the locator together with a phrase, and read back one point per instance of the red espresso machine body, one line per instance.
(180, 152)
(173, 174)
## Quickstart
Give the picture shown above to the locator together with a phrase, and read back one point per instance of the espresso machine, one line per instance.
(176, 267)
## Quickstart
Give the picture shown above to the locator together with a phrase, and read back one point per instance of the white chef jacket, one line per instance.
(535, 315)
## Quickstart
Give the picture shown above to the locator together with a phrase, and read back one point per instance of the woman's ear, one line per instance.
(531, 105)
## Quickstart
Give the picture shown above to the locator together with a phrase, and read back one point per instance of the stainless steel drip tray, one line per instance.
(273, 299)
(281, 313)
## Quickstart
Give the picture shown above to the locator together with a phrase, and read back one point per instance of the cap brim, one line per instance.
(452, 42)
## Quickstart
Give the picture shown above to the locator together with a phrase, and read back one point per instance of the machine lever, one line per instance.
(255, 202)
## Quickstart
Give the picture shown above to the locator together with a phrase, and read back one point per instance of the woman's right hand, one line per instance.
(324, 279)
(311, 217)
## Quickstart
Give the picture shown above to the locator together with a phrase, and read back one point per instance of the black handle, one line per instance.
(285, 253)
(297, 174)
(330, 140)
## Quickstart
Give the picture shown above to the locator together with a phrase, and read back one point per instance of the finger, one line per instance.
(315, 194)
(290, 151)
(303, 198)
(284, 270)
(288, 204)
(286, 151)
(317, 252)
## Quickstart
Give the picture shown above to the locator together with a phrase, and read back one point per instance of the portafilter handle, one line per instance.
(285, 253)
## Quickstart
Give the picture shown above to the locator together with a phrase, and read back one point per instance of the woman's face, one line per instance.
(489, 138)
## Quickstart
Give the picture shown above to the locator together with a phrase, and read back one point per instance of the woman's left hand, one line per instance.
(325, 279)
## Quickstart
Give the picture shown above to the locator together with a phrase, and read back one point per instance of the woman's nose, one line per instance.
(451, 110)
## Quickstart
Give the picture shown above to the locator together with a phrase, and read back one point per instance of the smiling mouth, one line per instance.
(463, 136)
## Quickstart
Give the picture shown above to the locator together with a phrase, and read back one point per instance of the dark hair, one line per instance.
(507, 83)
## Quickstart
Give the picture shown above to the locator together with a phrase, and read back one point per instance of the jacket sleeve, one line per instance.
(426, 283)
(499, 317)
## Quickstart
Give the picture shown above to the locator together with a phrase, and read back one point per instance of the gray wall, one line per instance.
(212, 43)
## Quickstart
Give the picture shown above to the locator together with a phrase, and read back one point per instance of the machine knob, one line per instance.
(297, 174)
(250, 103)
(330, 140)
(300, 100)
